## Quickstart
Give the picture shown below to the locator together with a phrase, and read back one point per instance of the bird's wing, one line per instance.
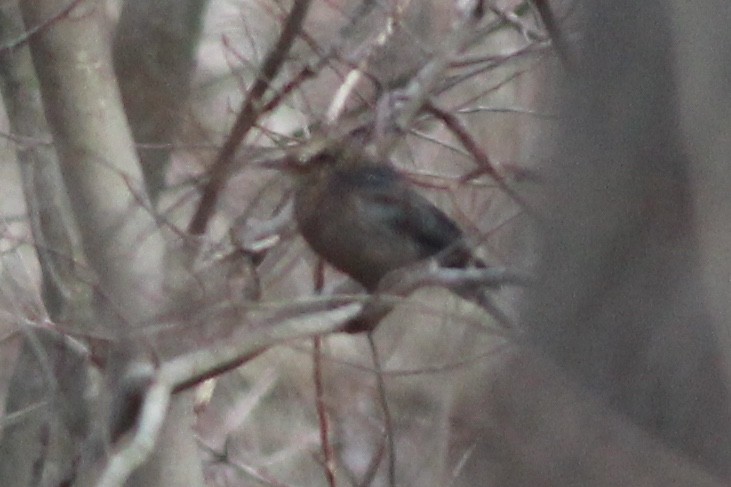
(409, 213)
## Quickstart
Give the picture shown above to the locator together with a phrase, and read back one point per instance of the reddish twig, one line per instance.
(260, 475)
(322, 417)
(63, 12)
(304, 74)
(387, 418)
(247, 116)
(460, 131)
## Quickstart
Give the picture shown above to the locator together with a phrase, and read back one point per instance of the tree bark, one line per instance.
(102, 175)
(154, 51)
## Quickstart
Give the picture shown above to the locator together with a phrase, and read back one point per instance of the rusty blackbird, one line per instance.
(362, 218)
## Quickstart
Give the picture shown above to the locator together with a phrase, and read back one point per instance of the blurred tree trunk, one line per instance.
(154, 51)
(620, 306)
(703, 49)
(64, 295)
(103, 179)
(47, 390)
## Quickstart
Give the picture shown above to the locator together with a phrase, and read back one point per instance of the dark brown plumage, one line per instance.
(363, 219)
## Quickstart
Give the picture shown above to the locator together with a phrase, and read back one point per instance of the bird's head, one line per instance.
(317, 160)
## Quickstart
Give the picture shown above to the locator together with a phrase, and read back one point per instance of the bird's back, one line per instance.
(366, 222)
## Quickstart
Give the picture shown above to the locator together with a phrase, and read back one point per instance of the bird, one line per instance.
(361, 217)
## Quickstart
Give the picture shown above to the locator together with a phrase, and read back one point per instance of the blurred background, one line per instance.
(613, 154)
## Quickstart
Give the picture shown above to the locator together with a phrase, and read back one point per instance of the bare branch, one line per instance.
(557, 37)
(322, 413)
(248, 114)
(26, 36)
(479, 155)
(138, 450)
(297, 322)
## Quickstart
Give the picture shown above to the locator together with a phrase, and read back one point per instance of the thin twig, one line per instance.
(495, 351)
(26, 142)
(460, 131)
(387, 418)
(351, 80)
(510, 18)
(421, 87)
(322, 417)
(557, 37)
(64, 11)
(513, 110)
(248, 115)
(256, 474)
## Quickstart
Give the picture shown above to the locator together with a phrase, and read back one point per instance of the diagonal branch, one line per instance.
(459, 130)
(247, 116)
(187, 370)
(25, 37)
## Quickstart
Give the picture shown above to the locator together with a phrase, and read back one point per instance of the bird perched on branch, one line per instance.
(363, 219)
